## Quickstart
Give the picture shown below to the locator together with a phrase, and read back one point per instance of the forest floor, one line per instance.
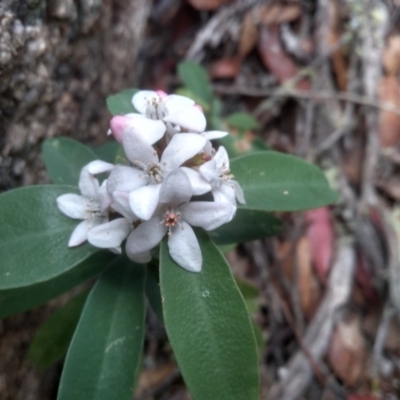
(321, 80)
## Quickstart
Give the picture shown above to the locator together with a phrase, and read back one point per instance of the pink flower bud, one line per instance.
(117, 125)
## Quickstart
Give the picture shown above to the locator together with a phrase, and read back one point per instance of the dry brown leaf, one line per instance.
(309, 289)
(152, 377)
(276, 59)
(207, 4)
(389, 122)
(391, 55)
(249, 35)
(278, 13)
(339, 61)
(226, 68)
(347, 352)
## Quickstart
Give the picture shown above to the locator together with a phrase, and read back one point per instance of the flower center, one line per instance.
(171, 219)
(156, 108)
(155, 173)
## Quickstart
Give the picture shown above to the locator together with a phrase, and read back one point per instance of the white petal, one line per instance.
(126, 179)
(151, 130)
(206, 214)
(176, 188)
(144, 200)
(190, 118)
(184, 248)
(88, 184)
(199, 185)
(104, 197)
(146, 236)
(121, 205)
(98, 167)
(181, 148)
(225, 193)
(211, 135)
(139, 150)
(209, 170)
(221, 157)
(141, 258)
(175, 103)
(117, 126)
(79, 234)
(110, 234)
(139, 100)
(74, 205)
(238, 192)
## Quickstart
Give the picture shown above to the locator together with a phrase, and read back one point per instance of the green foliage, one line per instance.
(247, 225)
(273, 181)
(13, 301)
(52, 339)
(104, 357)
(196, 80)
(153, 289)
(34, 237)
(242, 121)
(209, 327)
(121, 103)
(109, 152)
(64, 159)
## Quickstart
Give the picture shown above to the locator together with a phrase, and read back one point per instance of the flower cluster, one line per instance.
(171, 161)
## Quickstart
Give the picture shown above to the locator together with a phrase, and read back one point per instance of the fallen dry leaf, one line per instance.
(320, 236)
(391, 55)
(347, 352)
(389, 122)
(276, 59)
(226, 68)
(207, 4)
(309, 288)
(279, 13)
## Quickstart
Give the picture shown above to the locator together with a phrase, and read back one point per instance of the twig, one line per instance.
(303, 94)
(318, 333)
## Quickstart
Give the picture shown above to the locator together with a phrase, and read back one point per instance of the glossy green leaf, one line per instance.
(250, 294)
(64, 159)
(195, 78)
(104, 357)
(51, 341)
(34, 236)
(209, 327)
(121, 103)
(13, 301)
(259, 337)
(153, 289)
(247, 225)
(108, 151)
(241, 120)
(274, 181)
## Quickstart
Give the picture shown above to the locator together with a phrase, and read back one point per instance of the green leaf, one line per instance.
(108, 151)
(153, 289)
(247, 225)
(242, 120)
(64, 159)
(104, 357)
(195, 78)
(209, 327)
(273, 181)
(13, 301)
(121, 103)
(34, 236)
(250, 294)
(51, 341)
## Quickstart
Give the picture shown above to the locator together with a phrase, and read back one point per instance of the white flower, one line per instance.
(154, 170)
(217, 173)
(174, 215)
(91, 206)
(173, 109)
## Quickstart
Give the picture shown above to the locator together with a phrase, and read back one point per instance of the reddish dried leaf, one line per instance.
(389, 122)
(226, 68)
(309, 289)
(361, 397)
(276, 59)
(320, 236)
(249, 35)
(348, 351)
(391, 55)
(153, 377)
(207, 4)
(365, 279)
(278, 13)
